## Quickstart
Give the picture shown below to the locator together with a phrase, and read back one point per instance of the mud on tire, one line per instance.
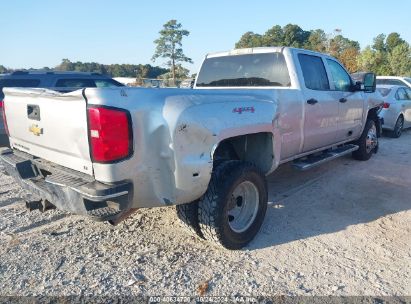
(232, 210)
(188, 215)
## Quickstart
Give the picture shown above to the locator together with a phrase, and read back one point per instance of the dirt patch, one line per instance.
(341, 229)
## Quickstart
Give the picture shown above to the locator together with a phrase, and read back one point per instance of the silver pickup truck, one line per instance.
(105, 152)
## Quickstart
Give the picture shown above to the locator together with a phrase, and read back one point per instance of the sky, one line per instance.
(38, 33)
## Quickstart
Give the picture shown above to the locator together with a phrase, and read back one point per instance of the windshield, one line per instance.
(251, 70)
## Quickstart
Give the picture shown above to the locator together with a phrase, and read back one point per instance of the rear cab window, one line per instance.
(314, 73)
(247, 70)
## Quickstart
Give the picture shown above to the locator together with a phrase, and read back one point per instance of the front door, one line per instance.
(350, 103)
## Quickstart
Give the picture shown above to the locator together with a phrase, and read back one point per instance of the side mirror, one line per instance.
(370, 82)
(365, 81)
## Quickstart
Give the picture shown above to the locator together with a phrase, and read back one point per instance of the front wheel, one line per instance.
(232, 210)
(368, 142)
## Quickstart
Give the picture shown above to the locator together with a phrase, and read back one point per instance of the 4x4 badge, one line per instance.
(36, 130)
(123, 93)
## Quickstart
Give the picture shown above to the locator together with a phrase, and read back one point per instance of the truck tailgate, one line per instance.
(49, 125)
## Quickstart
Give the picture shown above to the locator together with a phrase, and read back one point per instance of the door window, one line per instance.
(341, 79)
(408, 93)
(401, 94)
(315, 76)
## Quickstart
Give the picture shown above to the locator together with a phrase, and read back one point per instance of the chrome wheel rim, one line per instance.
(243, 206)
(372, 140)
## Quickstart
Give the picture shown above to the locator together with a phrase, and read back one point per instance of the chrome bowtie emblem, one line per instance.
(36, 130)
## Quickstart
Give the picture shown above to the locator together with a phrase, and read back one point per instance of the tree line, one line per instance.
(387, 55)
(113, 70)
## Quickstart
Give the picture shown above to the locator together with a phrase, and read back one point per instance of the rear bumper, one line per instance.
(67, 189)
(389, 119)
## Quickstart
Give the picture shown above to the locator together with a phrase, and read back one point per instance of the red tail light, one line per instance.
(109, 133)
(3, 111)
(386, 105)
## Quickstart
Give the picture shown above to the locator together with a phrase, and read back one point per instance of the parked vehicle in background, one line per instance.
(153, 83)
(187, 83)
(206, 150)
(394, 80)
(396, 111)
(57, 81)
(128, 81)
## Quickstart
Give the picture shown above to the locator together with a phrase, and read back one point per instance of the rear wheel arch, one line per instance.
(255, 148)
(232, 210)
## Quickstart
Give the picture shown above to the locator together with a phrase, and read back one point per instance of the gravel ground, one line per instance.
(341, 229)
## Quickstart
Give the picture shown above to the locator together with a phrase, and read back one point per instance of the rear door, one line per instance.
(350, 104)
(49, 125)
(321, 108)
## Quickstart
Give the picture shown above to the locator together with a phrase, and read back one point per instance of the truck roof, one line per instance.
(45, 72)
(258, 50)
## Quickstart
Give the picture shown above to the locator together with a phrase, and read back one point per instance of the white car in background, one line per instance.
(396, 111)
(394, 80)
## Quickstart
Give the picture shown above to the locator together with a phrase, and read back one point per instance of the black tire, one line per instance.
(213, 208)
(362, 153)
(399, 125)
(188, 215)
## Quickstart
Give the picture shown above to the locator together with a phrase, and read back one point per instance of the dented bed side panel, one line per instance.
(175, 132)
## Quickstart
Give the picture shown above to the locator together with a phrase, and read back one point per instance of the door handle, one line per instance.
(33, 112)
(342, 100)
(312, 101)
